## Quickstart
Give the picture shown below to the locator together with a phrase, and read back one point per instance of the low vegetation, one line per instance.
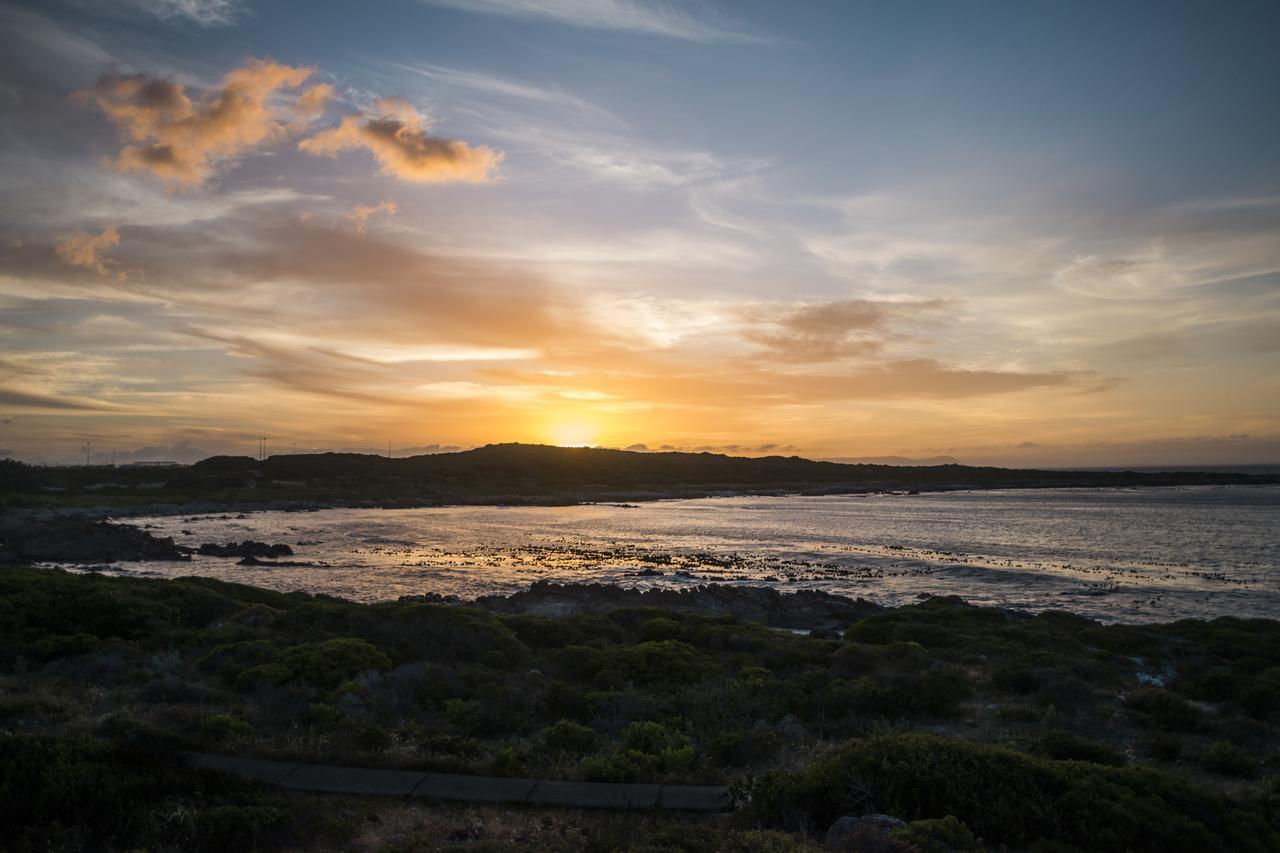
(981, 728)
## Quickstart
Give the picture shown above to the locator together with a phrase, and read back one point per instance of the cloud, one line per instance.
(206, 13)
(663, 19)
(82, 249)
(35, 400)
(504, 88)
(1120, 278)
(361, 213)
(831, 331)
(183, 141)
(398, 139)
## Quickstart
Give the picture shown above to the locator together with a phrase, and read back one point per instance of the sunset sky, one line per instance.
(1009, 232)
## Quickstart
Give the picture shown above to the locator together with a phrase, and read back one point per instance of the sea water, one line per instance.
(1111, 554)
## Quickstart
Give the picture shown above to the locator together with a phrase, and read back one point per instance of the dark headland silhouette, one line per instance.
(524, 473)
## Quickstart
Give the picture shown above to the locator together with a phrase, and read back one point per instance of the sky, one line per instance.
(1011, 233)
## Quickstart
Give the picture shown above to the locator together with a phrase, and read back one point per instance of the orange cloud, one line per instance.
(82, 249)
(399, 140)
(181, 140)
(362, 213)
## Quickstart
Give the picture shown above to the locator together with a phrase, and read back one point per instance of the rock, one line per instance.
(254, 561)
(28, 538)
(248, 548)
(855, 833)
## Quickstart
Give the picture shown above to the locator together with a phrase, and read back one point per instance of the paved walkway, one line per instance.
(478, 789)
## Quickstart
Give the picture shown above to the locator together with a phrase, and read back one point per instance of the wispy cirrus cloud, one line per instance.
(491, 85)
(205, 13)
(651, 18)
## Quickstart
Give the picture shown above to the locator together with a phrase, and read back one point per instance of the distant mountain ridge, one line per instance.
(529, 474)
(892, 460)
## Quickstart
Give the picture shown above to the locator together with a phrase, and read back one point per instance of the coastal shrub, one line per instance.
(223, 727)
(659, 662)
(570, 738)
(263, 675)
(329, 663)
(1261, 698)
(1216, 686)
(497, 709)
(563, 700)
(648, 749)
(939, 835)
(738, 748)
(1162, 747)
(940, 691)
(662, 628)
(1009, 798)
(1227, 759)
(77, 794)
(1065, 746)
(1017, 679)
(1163, 709)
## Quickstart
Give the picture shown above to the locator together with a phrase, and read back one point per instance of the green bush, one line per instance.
(331, 662)
(660, 662)
(1163, 709)
(1227, 759)
(1068, 747)
(570, 738)
(648, 749)
(1011, 798)
(76, 794)
(263, 675)
(939, 835)
(224, 727)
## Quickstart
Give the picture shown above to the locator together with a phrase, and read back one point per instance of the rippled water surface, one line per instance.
(1129, 555)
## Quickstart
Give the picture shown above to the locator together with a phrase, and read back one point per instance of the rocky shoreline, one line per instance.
(75, 539)
(87, 540)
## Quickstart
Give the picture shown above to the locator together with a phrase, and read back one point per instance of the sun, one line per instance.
(572, 433)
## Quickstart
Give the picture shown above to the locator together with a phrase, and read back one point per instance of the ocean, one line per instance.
(1129, 555)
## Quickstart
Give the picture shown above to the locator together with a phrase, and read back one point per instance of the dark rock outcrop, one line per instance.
(247, 548)
(73, 539)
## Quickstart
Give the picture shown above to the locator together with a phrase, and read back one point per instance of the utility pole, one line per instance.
(388, 448)
(87, 446)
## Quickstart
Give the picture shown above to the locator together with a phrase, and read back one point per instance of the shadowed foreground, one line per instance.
(1046, 732)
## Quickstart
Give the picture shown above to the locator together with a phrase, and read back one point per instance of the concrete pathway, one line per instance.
(478, 789)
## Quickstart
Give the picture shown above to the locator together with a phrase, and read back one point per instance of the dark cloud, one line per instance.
(35, 400)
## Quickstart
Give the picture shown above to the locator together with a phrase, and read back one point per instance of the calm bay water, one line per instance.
(1117, 555)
